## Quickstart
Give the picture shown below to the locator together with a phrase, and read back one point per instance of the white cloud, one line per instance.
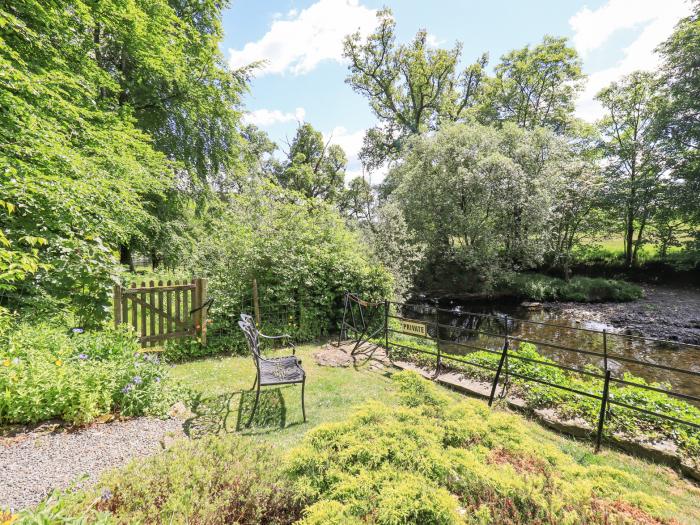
(300, 42)
(266, 117)
(592, 29)
(432, 41)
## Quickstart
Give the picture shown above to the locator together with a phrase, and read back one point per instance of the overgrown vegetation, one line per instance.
(539, 287)
(419, 456)
(48, 373)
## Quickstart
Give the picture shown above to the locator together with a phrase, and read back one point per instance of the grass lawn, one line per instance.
(332, 394)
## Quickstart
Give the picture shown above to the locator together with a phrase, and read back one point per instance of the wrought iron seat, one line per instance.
(270, 371)
(280, 370)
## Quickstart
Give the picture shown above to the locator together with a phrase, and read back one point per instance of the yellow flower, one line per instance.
(6, 362)
(10, 520)
(58, 362)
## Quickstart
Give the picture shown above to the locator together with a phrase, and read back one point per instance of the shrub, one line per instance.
(539, 287)
(439, 461)
(216, 480)
(302, 255)
(46, 373)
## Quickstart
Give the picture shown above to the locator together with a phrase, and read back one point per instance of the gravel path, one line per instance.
(35, 463)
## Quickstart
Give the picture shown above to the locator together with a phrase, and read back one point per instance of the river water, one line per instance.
(562, 327)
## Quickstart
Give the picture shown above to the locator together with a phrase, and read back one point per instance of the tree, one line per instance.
(410, 88)
(681, 118)
(634, 154)
(313, 167)
(576, 216)
(480, 197)
(358, 201)
(166, 66)
(536, 86)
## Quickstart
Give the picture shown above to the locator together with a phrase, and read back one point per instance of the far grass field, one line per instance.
(332, 394)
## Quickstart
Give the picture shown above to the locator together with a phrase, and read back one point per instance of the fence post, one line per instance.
(603, 407)
(342, 323)
(204, 311)
(438, 364)
(117, 304)
(256, 301)
(605, 349)
(386, 325)
(504, 356)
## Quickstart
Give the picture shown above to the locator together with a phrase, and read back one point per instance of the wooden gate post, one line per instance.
(200, 316)
(256, 302)
(117, 305)
(204, 311)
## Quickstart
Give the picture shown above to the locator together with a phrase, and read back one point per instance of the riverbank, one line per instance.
(665, 312)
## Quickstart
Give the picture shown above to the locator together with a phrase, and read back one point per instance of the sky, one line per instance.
(303, 79)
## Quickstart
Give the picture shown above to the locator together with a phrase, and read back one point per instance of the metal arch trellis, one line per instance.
(358, 316)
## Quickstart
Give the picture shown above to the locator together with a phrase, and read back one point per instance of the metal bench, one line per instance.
(283, 370)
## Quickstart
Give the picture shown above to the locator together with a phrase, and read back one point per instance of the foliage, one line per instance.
(634, 152)
(313, 168)
(212, 480)
(680, 122)
(539, 287)
(46, 373)
(481, 197)
(536, 87)
(300, 252)
(395, 247)
(436, 461)
(108, 105)
(410, 87)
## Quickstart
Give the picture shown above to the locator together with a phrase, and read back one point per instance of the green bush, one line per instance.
(46, 373)
(439, 461)
(539, 287)
(302, 255)
(215, 480)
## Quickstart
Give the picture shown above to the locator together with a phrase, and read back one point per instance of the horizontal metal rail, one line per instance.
(655, 414)
(655, 389)
(446, 356)
(607, 398)
(542, 323)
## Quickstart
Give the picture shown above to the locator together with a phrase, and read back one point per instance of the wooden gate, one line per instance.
(163, 311)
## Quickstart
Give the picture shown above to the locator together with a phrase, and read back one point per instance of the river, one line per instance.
(672, 314)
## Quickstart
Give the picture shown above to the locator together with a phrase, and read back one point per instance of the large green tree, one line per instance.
(681, 118)
(410, 87)
(481, 197)
(536, 86)
(635, 156)
(314, 167)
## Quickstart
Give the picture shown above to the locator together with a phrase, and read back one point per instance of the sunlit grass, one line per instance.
(332, 394)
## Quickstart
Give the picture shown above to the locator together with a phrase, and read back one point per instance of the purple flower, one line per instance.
(128, 388)
(157, 379)
(137, 380)
(82, 356)
(106, 495)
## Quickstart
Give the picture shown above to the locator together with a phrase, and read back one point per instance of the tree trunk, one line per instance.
(126, 257)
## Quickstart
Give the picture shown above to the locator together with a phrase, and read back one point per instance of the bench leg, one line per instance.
(256, 381)
(255, 405)
(303, 409)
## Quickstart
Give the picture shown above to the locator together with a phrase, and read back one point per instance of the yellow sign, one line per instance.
(413, 328)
